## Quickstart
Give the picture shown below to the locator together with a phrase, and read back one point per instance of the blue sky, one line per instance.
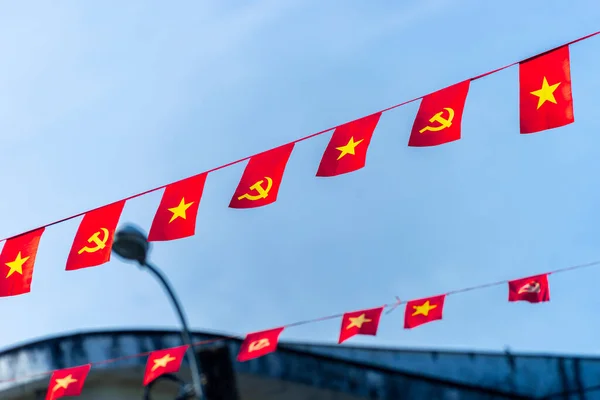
(103, 100)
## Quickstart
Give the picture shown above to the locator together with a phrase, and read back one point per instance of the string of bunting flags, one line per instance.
(545, 102)
(532, 289)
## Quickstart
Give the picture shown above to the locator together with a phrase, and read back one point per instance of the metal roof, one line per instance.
(374, 373)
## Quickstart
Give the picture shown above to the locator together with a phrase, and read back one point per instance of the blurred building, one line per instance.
(298, 371)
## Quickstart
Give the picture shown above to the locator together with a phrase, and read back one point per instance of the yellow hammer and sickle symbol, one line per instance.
(259, 344)
(95, 238)
(258, 188)
(443, 122)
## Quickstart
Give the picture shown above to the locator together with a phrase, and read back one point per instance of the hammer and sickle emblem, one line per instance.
(531, 287)
(259, 344)
(443, 122)
(99, 243)
(262, 192)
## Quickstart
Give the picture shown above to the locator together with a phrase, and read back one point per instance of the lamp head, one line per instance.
(131, 244)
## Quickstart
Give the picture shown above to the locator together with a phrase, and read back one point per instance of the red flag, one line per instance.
(439, 117)
(364, 322)
(18, 258)
(94, 238)
(534, 289)
(347, 149)
(260, 182)
(67, 382)
(545, 96)
(258, 344)
(162, 362)
(175, 217)
(422, 311)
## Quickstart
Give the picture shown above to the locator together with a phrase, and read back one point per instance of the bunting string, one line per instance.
(483, 75)
(295, 324)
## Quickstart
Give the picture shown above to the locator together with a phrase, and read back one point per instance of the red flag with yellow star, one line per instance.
(347, 149)
(67, 382)
(94, 238)
(422, 311)
(439, 118)
(258, 344)
(175, 217)
(260, 182)
(534, 289)
(18, 259)
(162, 362)
(546, 100)
(363, 322)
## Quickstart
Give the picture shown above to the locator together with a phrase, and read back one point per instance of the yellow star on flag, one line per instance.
(357, 321)
(179, 211)
(16, 265)
(423, 309)
(162, 362)
(63, 383)
(348, 148)
(546, 93)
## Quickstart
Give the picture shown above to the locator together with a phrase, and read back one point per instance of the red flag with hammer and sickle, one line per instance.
(258, 344)
(534, 289)
(260, 182)
(67, 382)
(439, 117)
(94, 238)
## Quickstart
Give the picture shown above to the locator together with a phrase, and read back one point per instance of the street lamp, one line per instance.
(132, 244)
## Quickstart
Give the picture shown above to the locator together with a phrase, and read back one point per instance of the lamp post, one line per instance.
(132, 244)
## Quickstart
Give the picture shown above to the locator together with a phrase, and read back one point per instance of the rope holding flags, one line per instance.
(532, 289)
(545, 102)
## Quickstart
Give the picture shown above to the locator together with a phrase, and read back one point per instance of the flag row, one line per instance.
(546, 102)
(70, 381)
